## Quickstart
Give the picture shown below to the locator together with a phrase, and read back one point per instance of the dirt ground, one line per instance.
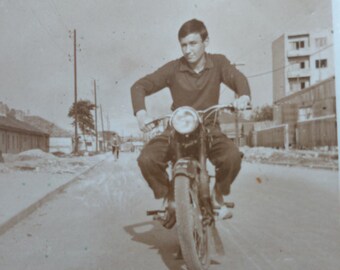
(304, 158)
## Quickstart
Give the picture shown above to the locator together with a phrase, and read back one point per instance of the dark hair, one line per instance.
(193, 26)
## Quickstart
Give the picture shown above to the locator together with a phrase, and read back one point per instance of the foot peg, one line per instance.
(226, 204)
(156, 214)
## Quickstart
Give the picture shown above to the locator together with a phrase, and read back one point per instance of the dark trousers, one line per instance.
(115, 149)
(223, 154)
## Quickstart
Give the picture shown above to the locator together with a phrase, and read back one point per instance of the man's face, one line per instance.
(193, 48)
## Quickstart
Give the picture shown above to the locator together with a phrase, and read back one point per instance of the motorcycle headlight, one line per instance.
(185, 120)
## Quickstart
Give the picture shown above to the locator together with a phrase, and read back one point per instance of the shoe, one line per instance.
(222, 211)
(170, 215)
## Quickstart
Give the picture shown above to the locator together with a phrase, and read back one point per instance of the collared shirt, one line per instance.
(188, 88)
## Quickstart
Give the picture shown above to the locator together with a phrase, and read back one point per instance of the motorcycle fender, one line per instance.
(186, 167)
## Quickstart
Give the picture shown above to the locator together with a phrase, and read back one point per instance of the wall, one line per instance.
(279, 61)
(16, 142)
(317, 132)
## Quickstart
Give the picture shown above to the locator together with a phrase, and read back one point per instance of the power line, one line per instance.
(290, 64)
(57, 13)
(293, 19)
(47, 31)
(224, 92)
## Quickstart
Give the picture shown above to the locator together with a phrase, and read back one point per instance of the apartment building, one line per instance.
(304, 88)
(301, 60)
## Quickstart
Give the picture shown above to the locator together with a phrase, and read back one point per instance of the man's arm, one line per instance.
(150, 84)
(234, 79)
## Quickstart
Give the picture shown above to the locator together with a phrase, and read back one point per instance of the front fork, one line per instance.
(196, 170)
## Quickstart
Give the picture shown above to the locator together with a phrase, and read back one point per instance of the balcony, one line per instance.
(299, 52)
(298, 73)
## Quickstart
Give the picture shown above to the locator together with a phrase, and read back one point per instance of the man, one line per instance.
(115, 143)
(194, 80)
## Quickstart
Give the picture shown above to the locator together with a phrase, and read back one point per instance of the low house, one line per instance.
(60, 140)
(17, 136)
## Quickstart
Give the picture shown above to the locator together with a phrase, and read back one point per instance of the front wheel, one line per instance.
(193, 235)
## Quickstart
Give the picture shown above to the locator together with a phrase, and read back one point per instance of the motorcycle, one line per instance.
(195, 211)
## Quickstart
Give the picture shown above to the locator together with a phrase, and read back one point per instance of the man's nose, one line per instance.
(187, 50)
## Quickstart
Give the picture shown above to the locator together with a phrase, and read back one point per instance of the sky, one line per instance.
(120, 41)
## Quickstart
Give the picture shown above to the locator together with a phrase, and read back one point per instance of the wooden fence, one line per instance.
(306, 134)
(317, 132)
(277, 136)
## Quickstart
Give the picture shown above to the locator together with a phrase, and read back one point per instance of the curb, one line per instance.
(4, 227)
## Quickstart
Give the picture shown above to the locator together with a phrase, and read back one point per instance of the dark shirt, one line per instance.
(188, 88)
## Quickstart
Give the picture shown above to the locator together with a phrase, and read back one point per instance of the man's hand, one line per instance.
(242, 102)
(143, 118)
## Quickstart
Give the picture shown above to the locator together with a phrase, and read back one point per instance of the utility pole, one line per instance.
(236, 125)
(108, 122)
(75, 92)
(101, 113)
(237, 115)
(95, 112)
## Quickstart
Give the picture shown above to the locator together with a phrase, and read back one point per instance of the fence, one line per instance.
(277, 136)
(317, 132)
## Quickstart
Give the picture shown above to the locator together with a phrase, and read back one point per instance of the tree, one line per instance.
(262, 113)
(84, 117)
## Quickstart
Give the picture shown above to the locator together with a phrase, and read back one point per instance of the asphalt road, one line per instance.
(285, 218)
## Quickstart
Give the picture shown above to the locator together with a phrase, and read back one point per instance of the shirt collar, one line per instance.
(185, 67)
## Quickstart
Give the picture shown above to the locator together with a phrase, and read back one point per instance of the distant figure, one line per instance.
(115, 143)
(1, 157)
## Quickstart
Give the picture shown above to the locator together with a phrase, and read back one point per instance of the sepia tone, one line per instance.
(70, 201)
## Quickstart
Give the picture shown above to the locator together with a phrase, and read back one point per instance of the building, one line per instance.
(301, 60)
(304, 93)
(60, 140)
(17, 136)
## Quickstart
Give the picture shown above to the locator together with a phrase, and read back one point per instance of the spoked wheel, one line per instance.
(193, 236)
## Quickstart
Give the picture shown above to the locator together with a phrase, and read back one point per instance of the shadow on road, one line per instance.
(153, 234)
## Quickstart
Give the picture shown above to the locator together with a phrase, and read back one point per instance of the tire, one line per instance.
(193, 237)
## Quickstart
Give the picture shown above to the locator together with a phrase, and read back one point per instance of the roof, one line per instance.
(12, 124)
(47, 126)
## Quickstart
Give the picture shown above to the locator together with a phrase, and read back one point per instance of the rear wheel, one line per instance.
(193, 236)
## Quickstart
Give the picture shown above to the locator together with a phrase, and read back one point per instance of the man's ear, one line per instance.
(206, 42)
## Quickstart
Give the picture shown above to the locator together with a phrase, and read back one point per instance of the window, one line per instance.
(295, 45)
(320, 42)
(299, 45)
(303, 85)
(305, 113)
(302, 65)
(321, 63)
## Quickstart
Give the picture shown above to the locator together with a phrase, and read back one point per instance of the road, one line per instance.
(285, 218)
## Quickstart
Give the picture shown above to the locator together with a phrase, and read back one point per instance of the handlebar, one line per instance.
(229, 107)
(213, 109)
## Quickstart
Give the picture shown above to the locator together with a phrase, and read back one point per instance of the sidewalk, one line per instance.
(28, 181)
